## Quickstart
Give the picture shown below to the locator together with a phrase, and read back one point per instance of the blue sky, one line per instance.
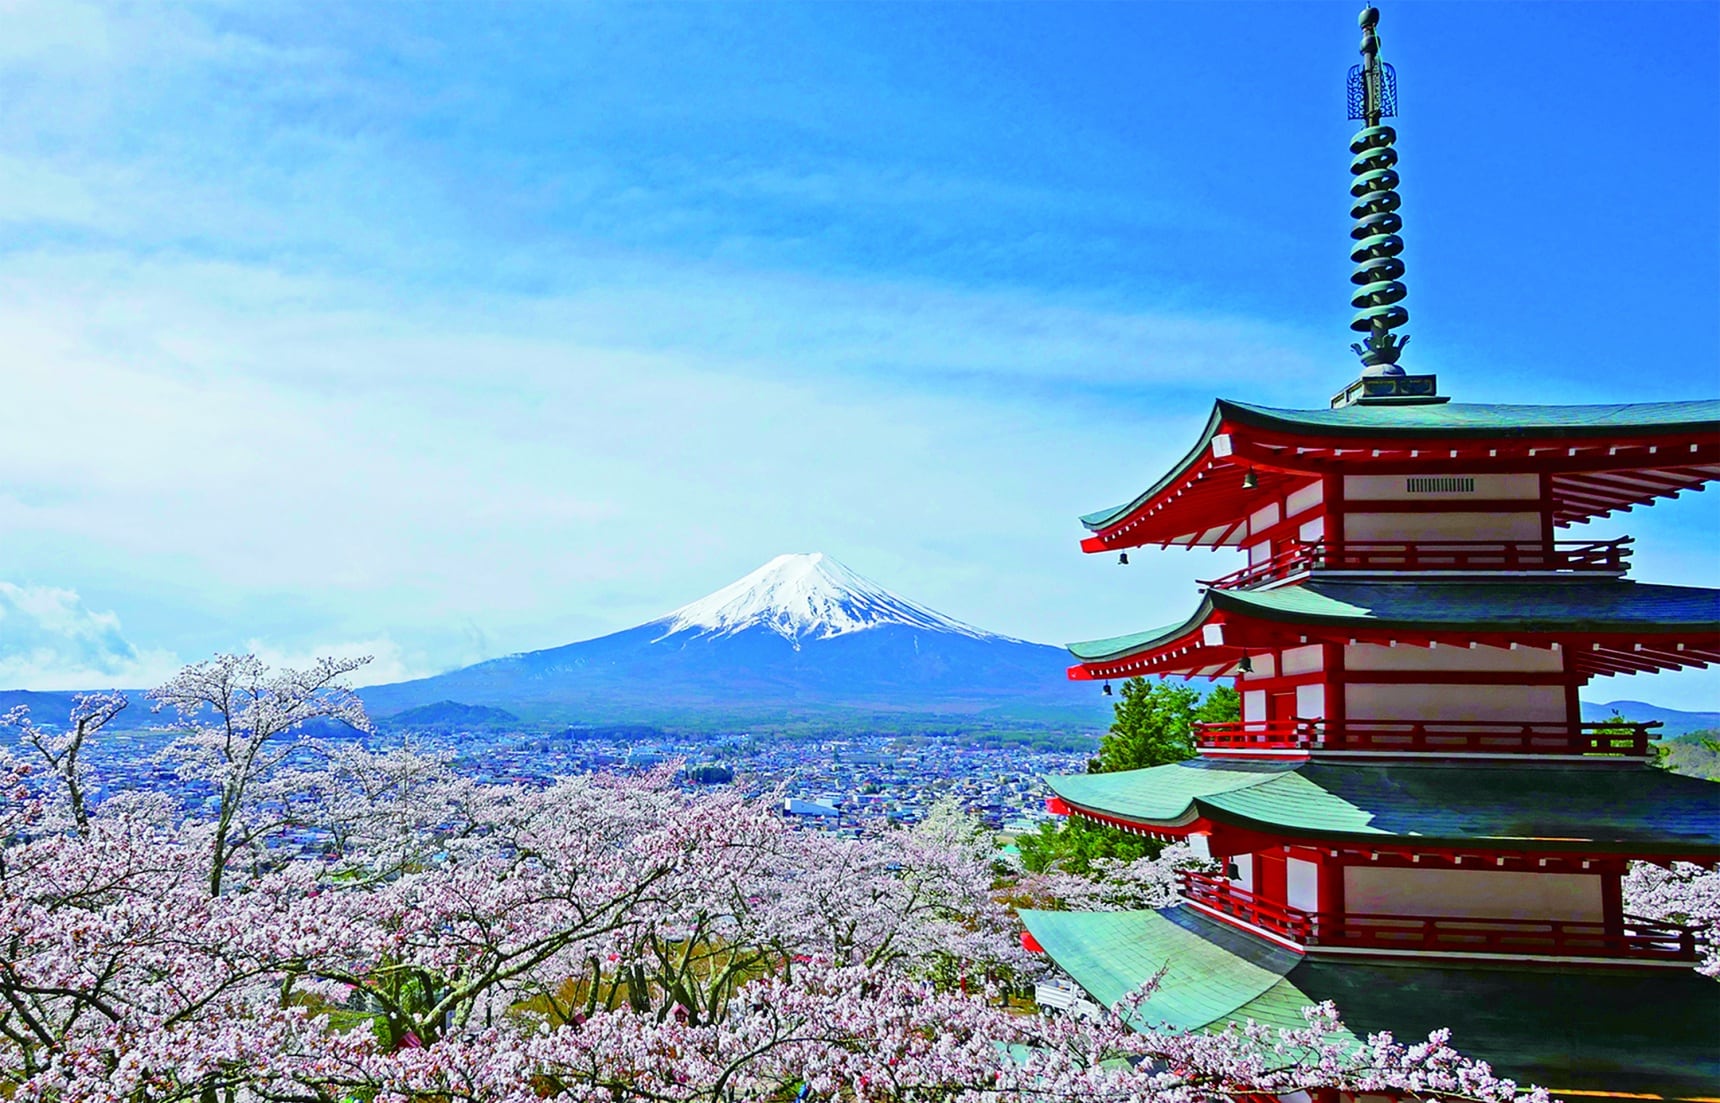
(445, 331)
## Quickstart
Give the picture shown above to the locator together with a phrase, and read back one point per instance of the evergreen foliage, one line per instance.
(1154, 726)
(1071, 844)
(1694, 755)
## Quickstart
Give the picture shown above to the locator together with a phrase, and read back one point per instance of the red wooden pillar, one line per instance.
(1336, 691)
(1333, 493)
(1612, 899)
(1330, 896)
(1547, 516)
(1573, 679)
(1271, 877)
(1331, 883)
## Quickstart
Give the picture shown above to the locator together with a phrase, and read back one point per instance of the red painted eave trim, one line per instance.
(1227, 840)
(1618, 652)
(1281, 459)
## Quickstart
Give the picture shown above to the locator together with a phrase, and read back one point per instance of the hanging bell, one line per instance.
(1250, 480)
(1123, 559)
(1107, 689)
(1246, 666)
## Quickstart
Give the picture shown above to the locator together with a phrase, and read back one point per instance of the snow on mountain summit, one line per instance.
(807, 596)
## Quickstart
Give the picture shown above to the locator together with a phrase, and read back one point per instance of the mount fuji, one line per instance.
(803, 640)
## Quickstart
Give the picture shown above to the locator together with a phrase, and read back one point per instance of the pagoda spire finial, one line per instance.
(1376, 246)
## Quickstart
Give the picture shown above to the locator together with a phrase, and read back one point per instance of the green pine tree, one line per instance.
(1155, 724)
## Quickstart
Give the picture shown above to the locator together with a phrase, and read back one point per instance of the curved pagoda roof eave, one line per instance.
(1478, 419)
(1612, 605)
(1582, 808)
(1571, 1030)
(1104, 518)
(1451, 421)
(1116, 647)
(1605, 616)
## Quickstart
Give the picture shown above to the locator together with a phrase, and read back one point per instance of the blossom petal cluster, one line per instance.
(605, 938)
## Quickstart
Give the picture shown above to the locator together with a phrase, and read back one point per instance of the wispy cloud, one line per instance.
(49, 639)
(436, 333)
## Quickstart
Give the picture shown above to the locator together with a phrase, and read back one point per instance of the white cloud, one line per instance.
(388, 661)
(49, 639)
(253, 448)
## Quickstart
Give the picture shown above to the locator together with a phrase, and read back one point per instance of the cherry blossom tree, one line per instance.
(1115, 885)
(1680, 893)
(239, 724)
(604, 938)
(62, 750)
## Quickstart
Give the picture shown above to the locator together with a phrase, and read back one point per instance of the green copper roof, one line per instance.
(1210, 970)
(1611, 605)
(1089, 651)
(1579, 806)
(1453, 420)
(1560, 606)
(1594, 1029)
(1468, 419)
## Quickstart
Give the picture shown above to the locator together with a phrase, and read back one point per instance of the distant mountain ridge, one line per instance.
(455, 714)
(1673, 722)
(801, 640)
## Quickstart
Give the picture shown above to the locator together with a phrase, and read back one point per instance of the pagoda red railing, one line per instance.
(1219, 894)
(1638, 939)
(1302, 556)
(1634, 938)
(1624, 738)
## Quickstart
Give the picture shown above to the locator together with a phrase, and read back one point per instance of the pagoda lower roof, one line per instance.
(1581, 808)
(1609, 625)
(1601, 459)
(1591, 1030)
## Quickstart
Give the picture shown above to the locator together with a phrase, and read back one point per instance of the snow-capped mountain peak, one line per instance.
(806, 596)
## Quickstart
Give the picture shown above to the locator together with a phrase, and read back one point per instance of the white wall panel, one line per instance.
(1395, 488)
(1304, 660)
(1302, 884)
(1311, 702)
(1454, 702)
(1301, 501)
(1394, 528)
(1245, 866)
(1489, 894)
(1377, 656)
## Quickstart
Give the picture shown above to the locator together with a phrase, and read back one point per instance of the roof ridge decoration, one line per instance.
(1379, 292)
(1376, 249)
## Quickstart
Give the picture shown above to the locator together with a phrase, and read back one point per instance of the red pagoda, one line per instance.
(1412, 818)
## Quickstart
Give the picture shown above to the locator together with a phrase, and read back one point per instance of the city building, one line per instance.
(1411, 818)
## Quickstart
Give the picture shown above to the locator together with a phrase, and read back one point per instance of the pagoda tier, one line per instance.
(1375, 666)
(1582, 628)
(1428, 860)
(1481, 816)
(1595, 1031)
(1364, 474)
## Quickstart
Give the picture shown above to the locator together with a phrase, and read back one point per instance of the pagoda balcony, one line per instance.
(1613, 738)
(1303, 557)
(1632, 939)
